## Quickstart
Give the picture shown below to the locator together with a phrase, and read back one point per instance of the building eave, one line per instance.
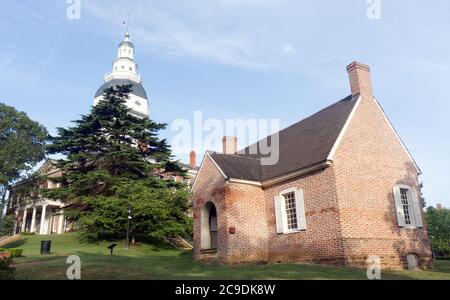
(207, 155)
(247, 182)
(419, 171)
(344, 130)
(267, 183)
(303, 171)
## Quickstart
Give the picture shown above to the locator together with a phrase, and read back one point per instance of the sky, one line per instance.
(230, 59)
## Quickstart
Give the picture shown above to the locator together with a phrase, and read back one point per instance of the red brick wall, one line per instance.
(368, 163)
(250, 210)
(242, 208)
(209, 187)
(322, 239)
(246, 212)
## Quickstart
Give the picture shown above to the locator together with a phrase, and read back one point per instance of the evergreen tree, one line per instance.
(113, 162)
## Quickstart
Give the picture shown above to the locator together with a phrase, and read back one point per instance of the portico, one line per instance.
(44, 217)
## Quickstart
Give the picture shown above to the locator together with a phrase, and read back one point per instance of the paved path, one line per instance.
(7, 240)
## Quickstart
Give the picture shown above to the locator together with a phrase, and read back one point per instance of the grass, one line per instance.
(148, 262)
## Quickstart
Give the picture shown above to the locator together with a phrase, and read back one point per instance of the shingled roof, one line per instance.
(238, 166)
(301, 145)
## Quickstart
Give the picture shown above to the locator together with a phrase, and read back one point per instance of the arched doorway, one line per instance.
(209, 227)
(413, 262)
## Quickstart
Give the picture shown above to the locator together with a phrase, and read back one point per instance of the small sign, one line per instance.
(111, 247)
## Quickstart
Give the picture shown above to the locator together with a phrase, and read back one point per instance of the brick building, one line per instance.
(344, 188)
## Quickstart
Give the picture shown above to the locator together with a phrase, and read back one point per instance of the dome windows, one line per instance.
(125, 71)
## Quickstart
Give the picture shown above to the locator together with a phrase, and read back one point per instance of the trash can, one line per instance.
(46, 247)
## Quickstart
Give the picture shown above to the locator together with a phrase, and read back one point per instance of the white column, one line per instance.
(61, 223)
(33, 220)
(24, 220)
(16, 213)
(42, 229)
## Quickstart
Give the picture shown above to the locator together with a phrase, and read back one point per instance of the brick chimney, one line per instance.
(193, 159)
(360, 81)
(229, 145)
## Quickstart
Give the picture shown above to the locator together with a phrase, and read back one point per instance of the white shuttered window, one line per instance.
(290, 211)
(408, 207)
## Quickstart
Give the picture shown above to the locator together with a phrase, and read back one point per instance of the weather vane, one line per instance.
(127, 23)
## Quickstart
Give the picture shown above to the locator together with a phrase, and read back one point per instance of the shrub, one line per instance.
(6, 271)
(439, 230)
(443, 258)
(7, 225)
(15, 252)
(441, 247)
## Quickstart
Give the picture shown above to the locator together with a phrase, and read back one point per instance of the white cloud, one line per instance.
(426, 63)
(7, 59)
(288, 49)
(216, 31)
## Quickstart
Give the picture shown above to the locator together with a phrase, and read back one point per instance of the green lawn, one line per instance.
(147, 262)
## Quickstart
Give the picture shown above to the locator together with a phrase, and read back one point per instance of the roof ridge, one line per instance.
(304, 143)
(350, 97)
(238, 155)
(318, 112)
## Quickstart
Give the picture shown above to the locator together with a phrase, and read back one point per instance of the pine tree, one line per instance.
(114, 161)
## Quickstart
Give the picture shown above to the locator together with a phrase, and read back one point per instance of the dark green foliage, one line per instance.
(15, 252)
(7, 226)
(438, 221)
(157, 212)
(6, 271)
(113, 161)
(22, 144)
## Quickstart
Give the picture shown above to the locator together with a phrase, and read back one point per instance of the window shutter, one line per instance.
(417, 208)
(399, 207)
(300, 207)
(279, 207)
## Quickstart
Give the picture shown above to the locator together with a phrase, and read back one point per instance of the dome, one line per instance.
(125, 72)
(126, 43)
(136, 89)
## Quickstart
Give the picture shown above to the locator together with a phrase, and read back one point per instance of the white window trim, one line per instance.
(285, 222)
(412, 212)
(283, 211)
